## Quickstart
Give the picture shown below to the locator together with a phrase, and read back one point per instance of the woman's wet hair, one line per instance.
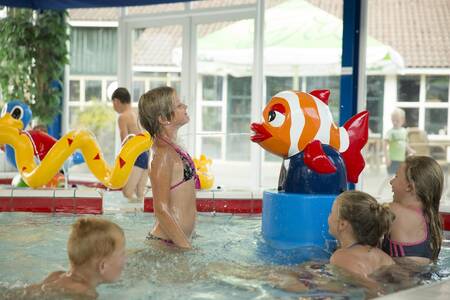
(425, 175)
(368, 219)
(153, 105)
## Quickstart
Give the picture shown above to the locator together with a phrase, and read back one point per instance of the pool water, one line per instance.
(227, 262)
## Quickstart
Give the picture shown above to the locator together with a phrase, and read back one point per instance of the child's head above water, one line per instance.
(97, 243)
(122, 95)
(368, 219)
(398, 118)
(426, 178)
(155, 106)
(423, 177)
(121, 99)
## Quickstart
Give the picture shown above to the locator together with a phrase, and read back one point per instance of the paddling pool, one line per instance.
(34, 244)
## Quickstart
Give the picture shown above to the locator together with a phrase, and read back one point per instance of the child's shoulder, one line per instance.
(53, 276)
(60, 283)
(162, 154)
(341, 256)
(128, 114)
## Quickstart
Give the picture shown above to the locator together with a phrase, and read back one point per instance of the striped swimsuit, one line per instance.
(420, 249)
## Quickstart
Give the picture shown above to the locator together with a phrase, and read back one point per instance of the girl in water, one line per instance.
(172, 171)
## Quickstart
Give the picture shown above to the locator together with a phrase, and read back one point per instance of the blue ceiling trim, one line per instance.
(59, 5)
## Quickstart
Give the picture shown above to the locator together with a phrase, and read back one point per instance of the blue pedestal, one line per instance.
(292, 221)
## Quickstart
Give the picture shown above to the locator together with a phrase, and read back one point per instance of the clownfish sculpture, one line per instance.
(298, 121)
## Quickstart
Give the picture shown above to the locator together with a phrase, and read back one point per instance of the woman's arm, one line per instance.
(160, 177)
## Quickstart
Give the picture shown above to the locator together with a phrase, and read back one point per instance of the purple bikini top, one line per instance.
(189, 170)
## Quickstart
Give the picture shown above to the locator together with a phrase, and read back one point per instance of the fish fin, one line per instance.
(358, 130)
(316, 159)
(323, 95)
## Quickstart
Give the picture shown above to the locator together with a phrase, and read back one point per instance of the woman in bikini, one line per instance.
(172, 171)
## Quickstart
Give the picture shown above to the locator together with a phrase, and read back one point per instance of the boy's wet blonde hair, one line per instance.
(154, 104)
(368, 219)
(93, 238)
(427, 177)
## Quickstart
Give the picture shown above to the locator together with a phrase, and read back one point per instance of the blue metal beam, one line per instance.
(350, 60)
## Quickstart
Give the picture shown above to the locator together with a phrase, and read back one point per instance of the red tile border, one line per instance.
(5, 180)
(40, 205)
(445, 220)
(5, 204)
(78, 205)
(89, 205)
(94, 205)
(148, 205)
(234, 206)
(64, 205)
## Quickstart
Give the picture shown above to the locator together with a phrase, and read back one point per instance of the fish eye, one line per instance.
(276, 119)
(17, 112)
(272, 115)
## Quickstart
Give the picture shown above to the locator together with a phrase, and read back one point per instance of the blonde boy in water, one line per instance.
(96, 250)
(134, 189)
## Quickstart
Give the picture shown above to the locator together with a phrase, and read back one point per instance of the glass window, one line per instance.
(375, 96)
(411, 116)
(73, 116)
(99, 118)
(176, 85)
(157, 83)
(238, 118)
(224, 64)
(436, 121)
(74, 90)
(156, 48)
(437, 88)
(212, 147)
(212, 118)
(138, 89)
(331, 83)
(212, 88)
(275, 85)
(408, 88)
(93, 90)
(93, 50)
(111, 86)
(175, 81)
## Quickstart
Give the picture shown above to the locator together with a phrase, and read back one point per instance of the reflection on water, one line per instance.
(227, 262)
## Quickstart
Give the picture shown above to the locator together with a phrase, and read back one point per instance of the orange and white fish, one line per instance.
(298, 121)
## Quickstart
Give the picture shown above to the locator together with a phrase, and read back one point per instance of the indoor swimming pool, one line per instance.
(229, 261)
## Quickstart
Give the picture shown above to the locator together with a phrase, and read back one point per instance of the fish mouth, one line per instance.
(261, 133)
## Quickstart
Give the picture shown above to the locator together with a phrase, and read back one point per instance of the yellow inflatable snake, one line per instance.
(36, 175)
